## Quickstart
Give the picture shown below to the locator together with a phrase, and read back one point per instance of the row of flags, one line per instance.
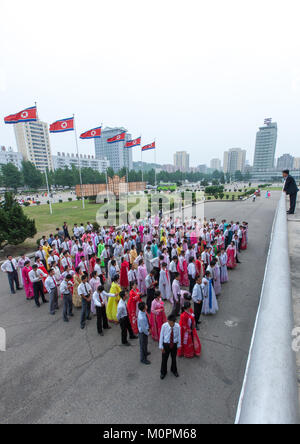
(63, 125)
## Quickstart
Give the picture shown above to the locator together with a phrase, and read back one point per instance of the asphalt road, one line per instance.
(54, 372)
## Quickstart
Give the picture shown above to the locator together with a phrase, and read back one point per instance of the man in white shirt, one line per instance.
(100, 301)
(53, 258)
(51, 287)
(197, 297)
(65, 289)
(169, 342)
(173, 268)
(176, 292)
(35, 276)
(41, 254)
(85, 291)
(76, 231)
(10, 267)
(122, 316)
(192, 273)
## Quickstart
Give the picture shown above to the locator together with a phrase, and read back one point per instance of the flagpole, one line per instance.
(142, 163)
(47, 183)
(106, 178)
(155, 163)
(79, 166)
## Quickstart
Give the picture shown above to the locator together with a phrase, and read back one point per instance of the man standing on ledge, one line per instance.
(290, 188)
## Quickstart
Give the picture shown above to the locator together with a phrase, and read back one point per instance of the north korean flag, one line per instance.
(132, 143)
(92, 134)
(60, 126)
(151, 146)
(27, 115)
(118, 138)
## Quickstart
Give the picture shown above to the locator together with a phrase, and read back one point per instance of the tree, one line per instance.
(32, 177)
(15, 226)
(11, 177)
(238, 176)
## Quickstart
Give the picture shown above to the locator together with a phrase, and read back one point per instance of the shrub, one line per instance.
(209, 198)
(227, 196)
(60, 201)
(70, 199)
(233, 197)
(26, 204)
(38, 202)
(221, 196)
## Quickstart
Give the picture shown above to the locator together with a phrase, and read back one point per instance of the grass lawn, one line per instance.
(235, 194)
(70, 212)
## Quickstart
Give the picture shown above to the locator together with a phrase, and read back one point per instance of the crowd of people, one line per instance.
(143, 276)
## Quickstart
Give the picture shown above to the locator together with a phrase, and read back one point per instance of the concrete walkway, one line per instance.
(294, 248)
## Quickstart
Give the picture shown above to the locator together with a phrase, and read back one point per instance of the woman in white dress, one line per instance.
(210, 303)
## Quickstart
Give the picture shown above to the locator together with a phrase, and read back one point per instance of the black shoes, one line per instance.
(146, 362)
(127, 344)
(176, 374)
(162, 376)
(134, 337)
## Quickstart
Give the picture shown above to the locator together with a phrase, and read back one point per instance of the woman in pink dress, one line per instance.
(244, 240)
(231, 256)
(141, 275)
(158, 316)
(28, 286)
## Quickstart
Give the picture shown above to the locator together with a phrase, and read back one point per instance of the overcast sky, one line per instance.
(197, 75)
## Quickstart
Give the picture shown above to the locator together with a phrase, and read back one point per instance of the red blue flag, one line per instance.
(118, 138)
(60, 126)
(94, 133)
(27, 115)
(132, 143)
(151, 146)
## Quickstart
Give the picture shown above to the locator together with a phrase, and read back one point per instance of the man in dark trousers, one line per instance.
(169, 342)
(122, 316)
(291, 189)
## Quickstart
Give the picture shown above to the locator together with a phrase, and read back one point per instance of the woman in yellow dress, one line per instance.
(47, 249)
(133, 256)
(76, 298)
(112, 305)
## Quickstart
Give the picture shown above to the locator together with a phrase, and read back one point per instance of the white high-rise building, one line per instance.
(296, 163)
(182, 161)
(62, 160)
(7, 155)
(234, 160)
(33, 143)
(265, 147)
(215, 164)
(118, 156)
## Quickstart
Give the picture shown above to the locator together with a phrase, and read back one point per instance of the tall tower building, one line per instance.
(215, 164)
(265, 147)
(234, 160)
(285, 162)
(118, 156)
(182, 161)
(34, 144)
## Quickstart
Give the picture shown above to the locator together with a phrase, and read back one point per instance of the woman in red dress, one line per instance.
(132, 307)
(124, 274)
(40, 265)
(190, 342)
